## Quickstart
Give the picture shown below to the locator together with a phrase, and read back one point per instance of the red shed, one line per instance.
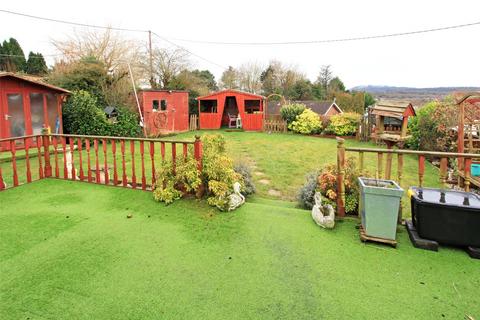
(27, 105)
(220, 108)
(164, 111)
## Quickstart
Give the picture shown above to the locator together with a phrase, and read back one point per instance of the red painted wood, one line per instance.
(2, 183)
(14, 162)
(152, 159)
(89, 167)
(39, 155)
(46, 148)
(162, 150)
(80, 158)
(105, 162)
(55, 152)
(142, 155)
(27, 160)
(114, 152)
(72, 149)
(97, 165)
(64, 146)
(124, 170)
(185, 148)
(174, 157)
(197, 150)
(132, 152)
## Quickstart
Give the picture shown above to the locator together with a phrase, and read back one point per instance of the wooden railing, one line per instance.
(464, 176)
(117, 161)
(274, 125)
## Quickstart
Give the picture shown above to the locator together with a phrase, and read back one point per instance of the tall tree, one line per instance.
(167, 64)
(335, 85)
(324, 77)
(36, 64)
(230, 79)
(249, 76)
(12, 58)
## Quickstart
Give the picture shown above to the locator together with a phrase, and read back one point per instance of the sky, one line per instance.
(444, 58)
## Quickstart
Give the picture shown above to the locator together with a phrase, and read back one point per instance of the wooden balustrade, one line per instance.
(464, 175)
(56, 151)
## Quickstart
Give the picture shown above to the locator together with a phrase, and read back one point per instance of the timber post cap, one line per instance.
(340, 140)
(197, 137)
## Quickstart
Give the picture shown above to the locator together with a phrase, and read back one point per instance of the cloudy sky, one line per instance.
(445, 58)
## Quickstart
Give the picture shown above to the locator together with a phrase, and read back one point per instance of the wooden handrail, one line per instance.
(415, 152)
(119, 138)
(21, 138)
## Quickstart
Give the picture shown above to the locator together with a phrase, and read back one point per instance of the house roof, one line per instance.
(213, 94)
(320, 107)
(394, 109)
(34, 80)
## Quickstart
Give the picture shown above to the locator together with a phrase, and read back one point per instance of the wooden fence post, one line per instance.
(340, 177)
(198, 152)
(46, 153)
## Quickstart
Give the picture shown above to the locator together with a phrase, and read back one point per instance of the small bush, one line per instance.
(246, 173)
(344, 124)
(127, 124)
(81, 115)
(307, 122)
(306, 193)
(289, 112)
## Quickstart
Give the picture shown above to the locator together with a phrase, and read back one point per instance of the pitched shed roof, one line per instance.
(394, 109)
(320, 107)
(33, 80)
(213, 94)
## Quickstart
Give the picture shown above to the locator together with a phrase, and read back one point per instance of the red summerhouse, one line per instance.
(217, 109)
(164, 111)
(27, 105)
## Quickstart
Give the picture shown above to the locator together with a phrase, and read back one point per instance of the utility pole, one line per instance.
(152, 80)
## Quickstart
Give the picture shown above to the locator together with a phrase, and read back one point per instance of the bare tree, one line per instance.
(230, 79)
(250, 77)
(325, 76)
(167, 64)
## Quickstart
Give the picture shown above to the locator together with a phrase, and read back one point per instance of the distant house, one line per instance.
(323, 108)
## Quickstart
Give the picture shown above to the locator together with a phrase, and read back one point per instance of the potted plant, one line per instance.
(379, 204)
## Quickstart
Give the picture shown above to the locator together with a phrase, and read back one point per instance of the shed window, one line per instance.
(252, 106)
(208, 106)
(163, 105)
(36, 112)
(155, 105)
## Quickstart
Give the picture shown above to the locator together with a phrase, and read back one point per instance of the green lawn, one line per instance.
(69, 252)
(279, 160)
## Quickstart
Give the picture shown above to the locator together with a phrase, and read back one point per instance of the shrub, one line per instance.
(289, 112)
(246, 173)
(81, 115)
(344, 124)
(430, 129)
(307, 122)
(325, 182)
(127, 124)
(217, 175)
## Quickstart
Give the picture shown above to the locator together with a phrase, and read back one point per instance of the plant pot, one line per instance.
(379, 205)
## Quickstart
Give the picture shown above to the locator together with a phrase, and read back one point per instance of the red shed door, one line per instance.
(13, 116)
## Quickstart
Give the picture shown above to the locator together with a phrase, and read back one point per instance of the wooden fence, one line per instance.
(270, 125)
(193, 124)
(464, 177)
(117, 161)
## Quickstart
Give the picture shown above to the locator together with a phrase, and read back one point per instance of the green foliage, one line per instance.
(12, 58)
(307, 122)
(335, 85)
(172, 182)
(430, 128)
(325, 182)
(344, 124)
(369, 100)
(127, 124)
(88, 75)
(218, 171)
(81, 115)
(301, 90)
(246, 172)
(289, 112)
(36, 64)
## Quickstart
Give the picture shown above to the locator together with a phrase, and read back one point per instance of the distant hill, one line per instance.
(415, 95)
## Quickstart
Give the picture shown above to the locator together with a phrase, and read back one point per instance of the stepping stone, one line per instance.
(274, 193)
(258, 173)
(264, 181)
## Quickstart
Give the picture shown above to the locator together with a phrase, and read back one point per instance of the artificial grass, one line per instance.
(68, 251)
